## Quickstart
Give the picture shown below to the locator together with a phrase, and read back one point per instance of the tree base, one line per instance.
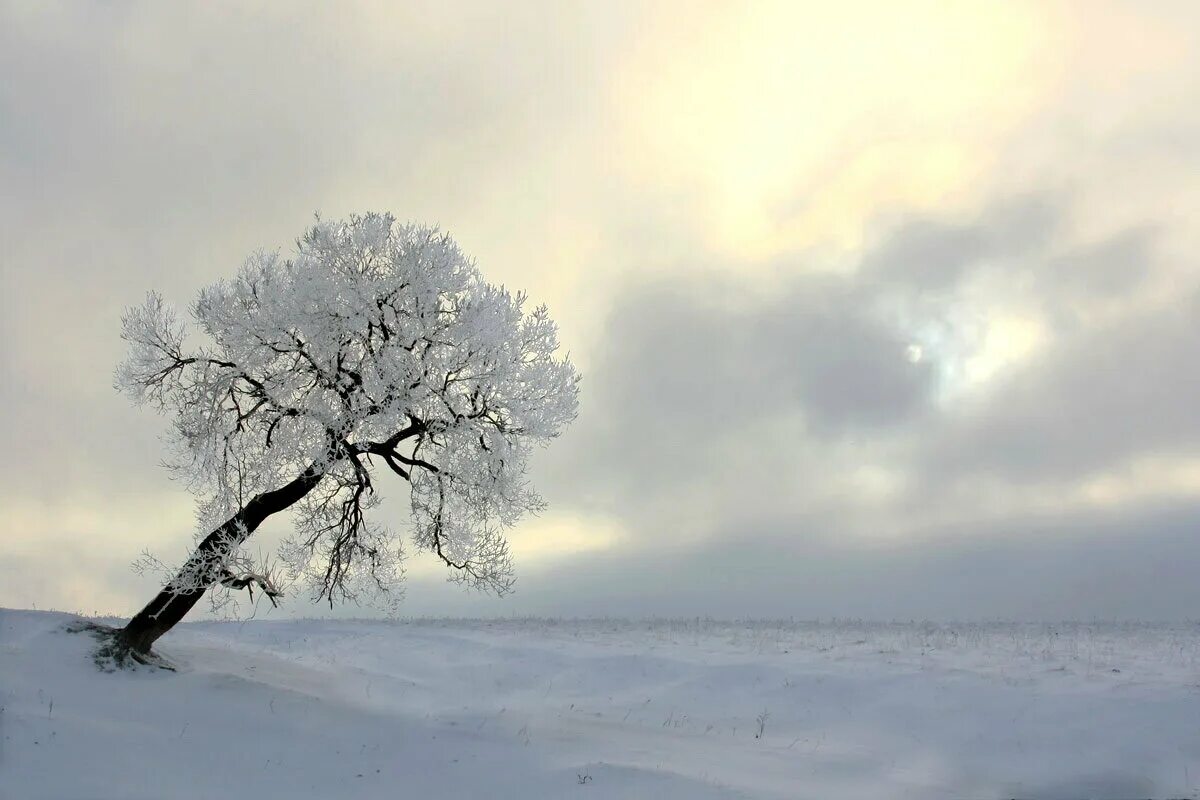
(113, 652)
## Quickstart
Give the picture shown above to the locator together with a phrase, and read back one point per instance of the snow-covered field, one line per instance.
(604, 709)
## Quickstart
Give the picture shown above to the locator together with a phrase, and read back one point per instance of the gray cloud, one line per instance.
(842, 364)
(721, 427)
(707, 406)
(1135, 564)
(693, 371)
(815, 345)
(925, 253)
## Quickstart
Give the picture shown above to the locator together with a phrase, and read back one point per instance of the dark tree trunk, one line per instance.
(171, 605)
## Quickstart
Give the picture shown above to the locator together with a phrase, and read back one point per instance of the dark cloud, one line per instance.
(1137, 563)
(1112, 266)
(842, 364)
(925, 253)
(702, 397)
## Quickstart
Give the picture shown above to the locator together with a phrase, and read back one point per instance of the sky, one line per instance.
(884, 310)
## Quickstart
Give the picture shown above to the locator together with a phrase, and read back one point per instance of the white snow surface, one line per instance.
(604, 709)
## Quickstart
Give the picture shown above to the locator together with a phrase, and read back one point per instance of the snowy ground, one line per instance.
(604, 709)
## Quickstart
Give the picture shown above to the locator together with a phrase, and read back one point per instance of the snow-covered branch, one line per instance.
(375, 344)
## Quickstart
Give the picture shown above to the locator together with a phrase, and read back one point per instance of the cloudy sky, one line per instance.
(885, 310)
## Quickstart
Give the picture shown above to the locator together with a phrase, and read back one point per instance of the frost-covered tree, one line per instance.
(376, 347)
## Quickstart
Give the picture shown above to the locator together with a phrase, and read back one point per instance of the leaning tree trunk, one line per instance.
(202, 568)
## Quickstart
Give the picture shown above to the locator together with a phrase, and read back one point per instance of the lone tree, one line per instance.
(376, 343)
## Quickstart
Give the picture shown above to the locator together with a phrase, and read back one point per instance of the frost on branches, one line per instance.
(376, 348)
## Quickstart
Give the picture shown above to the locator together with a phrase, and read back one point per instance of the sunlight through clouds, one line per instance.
(1008, 339)
(794, 123)
(544, 543)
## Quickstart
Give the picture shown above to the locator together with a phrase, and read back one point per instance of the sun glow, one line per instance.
(551, 538)
(1008, 340)
(790, 124)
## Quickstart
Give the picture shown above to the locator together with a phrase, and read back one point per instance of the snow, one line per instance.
(604, 709)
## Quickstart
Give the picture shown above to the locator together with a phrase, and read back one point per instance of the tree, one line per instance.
(377, 344)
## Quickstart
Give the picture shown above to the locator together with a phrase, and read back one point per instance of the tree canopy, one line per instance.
(376, 344)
